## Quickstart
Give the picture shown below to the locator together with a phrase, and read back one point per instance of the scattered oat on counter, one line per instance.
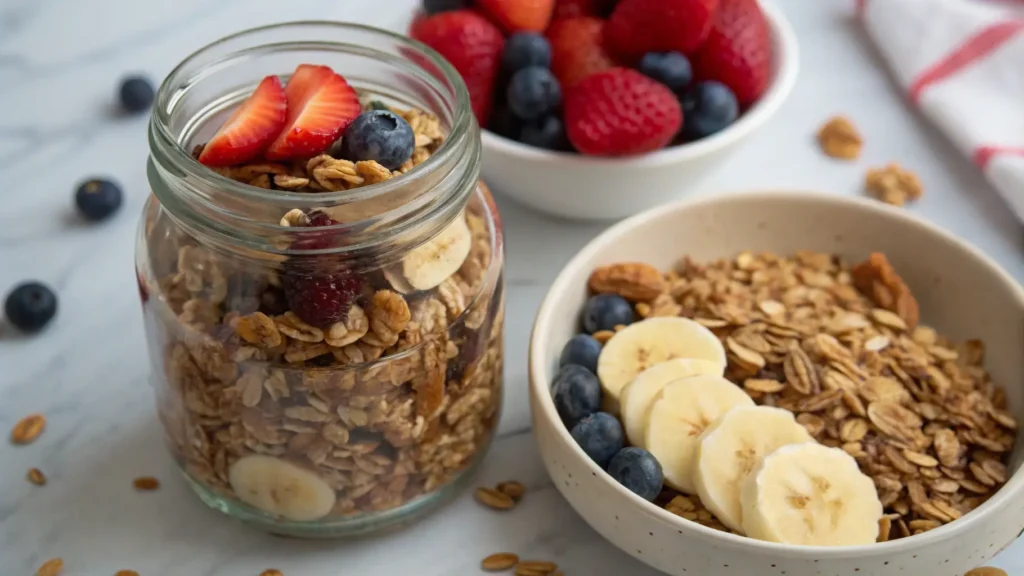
(840, 139)
(28, 429)
(35, 476)
(494, 499)
(893, 184)
(512, 489)
(499, 561)
(146, 483)
(52, 567)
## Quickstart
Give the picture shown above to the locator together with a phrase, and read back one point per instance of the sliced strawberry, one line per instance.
(250, 129)
(320, 105)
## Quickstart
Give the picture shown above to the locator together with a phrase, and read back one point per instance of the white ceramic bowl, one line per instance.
(592, 188)
(962, 293)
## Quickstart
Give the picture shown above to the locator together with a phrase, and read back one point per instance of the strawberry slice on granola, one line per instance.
(320, 105)
(250, 129)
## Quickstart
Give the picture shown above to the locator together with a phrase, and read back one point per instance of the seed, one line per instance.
(146, 483)
(28, 429)
(52, 567)
(35, 476)
(492, 498)
(512, 489)
(538, 566)
(499, 561)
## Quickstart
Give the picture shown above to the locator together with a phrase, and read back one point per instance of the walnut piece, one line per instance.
(893, 184)
(634, 281)
(839, 138)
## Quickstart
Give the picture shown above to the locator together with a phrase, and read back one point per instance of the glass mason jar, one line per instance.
(368, 416)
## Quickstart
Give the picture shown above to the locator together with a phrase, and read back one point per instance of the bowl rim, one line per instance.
(785, 41)
(540, 390)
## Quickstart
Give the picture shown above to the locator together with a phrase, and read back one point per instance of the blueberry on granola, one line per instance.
(534, 92)
(581, 350)
(525, 49)
(600, 436)
(97, 199)
(577, 393)
(379, 135)
(605, 312)
(30, 306)
(637, 470)
(137, 94)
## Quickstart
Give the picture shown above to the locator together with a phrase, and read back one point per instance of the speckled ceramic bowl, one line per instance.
(962, 293)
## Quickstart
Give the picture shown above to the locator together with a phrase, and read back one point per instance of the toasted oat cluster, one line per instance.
(364, 414)
(841, 347)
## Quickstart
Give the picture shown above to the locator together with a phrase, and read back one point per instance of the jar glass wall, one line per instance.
(327, 356)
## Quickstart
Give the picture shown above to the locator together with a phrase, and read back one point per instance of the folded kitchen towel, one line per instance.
(962, 63)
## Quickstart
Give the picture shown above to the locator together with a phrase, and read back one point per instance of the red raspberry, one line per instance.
(318, 289)
(620, 112)
(637, 27)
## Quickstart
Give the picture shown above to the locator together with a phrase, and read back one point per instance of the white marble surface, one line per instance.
(59, 63)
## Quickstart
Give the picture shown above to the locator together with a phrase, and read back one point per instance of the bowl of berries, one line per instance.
(598, 109)
(785, 383)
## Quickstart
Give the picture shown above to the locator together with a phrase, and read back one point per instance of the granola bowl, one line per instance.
(939, 324)
(580, 187)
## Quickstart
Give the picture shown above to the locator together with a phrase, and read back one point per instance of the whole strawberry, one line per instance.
(577, 49)
(640, 26)
(738, 51)
(519, 15)
(620, 112)
(473, 46)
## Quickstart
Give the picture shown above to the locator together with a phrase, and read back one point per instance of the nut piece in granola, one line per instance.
(634, 281)
(876, 278)
(429, 265)
(281, 488)
(839, 138)
(893, 184)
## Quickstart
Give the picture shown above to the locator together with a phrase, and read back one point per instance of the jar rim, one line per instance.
(183, 160)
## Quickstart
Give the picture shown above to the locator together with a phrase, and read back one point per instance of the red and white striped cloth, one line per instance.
(962, 63)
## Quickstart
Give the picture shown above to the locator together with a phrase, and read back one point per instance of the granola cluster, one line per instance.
(841, 346)
(387, 405)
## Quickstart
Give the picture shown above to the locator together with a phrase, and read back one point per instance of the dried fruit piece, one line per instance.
(28, 429)
(839, 138)
(877, 279)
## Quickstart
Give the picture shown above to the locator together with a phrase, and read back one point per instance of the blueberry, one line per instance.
(670, 68)
(547, 133)
(577, 393)
(708, 107)
(638, 470)
(526, 49)
(137, 94)
(379, 135)
(435, 6)
(504, 123)
(98, 199)
(30, 306)
(581, 350)
(600, 436)
(605, 312)
(534, 92)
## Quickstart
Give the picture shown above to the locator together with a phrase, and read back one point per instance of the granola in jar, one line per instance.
(326, 327)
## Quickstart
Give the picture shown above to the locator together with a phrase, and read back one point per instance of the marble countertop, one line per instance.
(60, 61)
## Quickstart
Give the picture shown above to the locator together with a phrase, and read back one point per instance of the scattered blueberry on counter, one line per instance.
(525, 49)
(534, 92)
(670, 68)
(600, 436)
(98, 199)
(605, 312)
(582, 350)
(30, 306)
(577, 393)
(137, 94)
(379, 135)
(708, 107)
(638, 470)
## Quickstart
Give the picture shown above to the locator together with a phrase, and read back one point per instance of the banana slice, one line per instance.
(281, 488)
(428, 265)
(731, 447)
(648, 342)
(811, 495)
(638, 396)
(678, 417)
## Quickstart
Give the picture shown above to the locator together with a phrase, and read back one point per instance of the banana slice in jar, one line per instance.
(430, 264)
(731, 447)
(811, 495)
(281, 488)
